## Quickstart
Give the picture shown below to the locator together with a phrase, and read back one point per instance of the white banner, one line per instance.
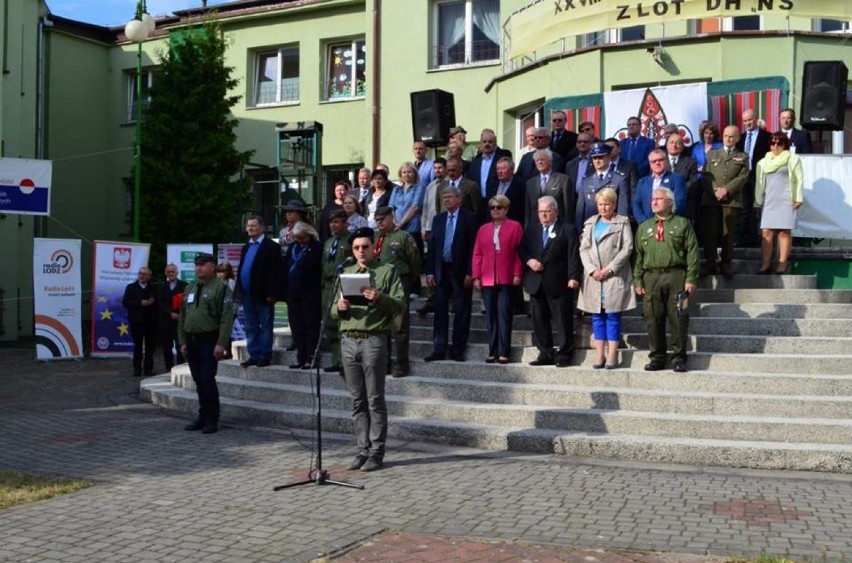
(116, 264)
(827, 209)
(183, 256)
(57, 292)
(25, 186)
(683, 105)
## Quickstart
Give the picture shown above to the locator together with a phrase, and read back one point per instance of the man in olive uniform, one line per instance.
(335, 252)
(725, 175)
(398, 249)
(204, 330)
(666, 265)
(365, 322)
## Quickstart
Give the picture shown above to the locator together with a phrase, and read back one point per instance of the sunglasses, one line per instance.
(493, 207)
(776, 144)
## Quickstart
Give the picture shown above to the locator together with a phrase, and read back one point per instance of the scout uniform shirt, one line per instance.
(677, 250)
(374, 317)
(207, 308)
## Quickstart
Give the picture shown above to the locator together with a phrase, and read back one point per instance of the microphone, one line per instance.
(348, 262)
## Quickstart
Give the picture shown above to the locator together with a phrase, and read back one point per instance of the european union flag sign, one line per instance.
(25, 186)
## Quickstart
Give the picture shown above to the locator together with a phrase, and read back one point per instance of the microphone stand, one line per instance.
(320, 475)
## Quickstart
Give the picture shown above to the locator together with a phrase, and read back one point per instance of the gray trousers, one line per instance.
(364, 361)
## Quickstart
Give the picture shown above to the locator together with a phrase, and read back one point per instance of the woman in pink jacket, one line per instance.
(496, 268)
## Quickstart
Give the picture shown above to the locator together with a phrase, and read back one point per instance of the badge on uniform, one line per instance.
(190, 298)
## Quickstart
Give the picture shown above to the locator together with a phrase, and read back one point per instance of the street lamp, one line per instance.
(137, 31)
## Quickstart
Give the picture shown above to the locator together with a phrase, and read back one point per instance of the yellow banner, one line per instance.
(547, 21)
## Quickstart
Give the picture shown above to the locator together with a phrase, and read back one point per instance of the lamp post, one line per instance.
(137, 31)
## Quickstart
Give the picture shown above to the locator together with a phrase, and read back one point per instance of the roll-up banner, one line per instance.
(58, 294)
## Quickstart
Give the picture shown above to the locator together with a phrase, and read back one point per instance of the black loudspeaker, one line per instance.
(433, 112)
(824, 95)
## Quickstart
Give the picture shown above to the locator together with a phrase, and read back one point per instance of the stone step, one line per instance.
(742, 344)
(786, 296)
(583, 376)
(765, 311)
(298, 390)
(602, 445)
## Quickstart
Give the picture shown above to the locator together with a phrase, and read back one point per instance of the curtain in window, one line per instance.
(451, 30)
(486, 16)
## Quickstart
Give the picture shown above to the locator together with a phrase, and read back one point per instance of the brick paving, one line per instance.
(164, 495)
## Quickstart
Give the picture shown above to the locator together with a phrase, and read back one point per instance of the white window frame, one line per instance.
(148, 77)
(468, 37)
(353, 93)
(521, 130)
(846, 27)
(262, 54)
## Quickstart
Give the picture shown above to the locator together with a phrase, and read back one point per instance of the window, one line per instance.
(741, 23)
(147, 81)
(466, 32)
(346, 74)
(277, 76)
(632, 33)
(831, 26)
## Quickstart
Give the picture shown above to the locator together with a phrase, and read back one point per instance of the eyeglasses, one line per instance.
(360, 246)
(776, 144)
(587, 129)
(493, 207)
(658, 160)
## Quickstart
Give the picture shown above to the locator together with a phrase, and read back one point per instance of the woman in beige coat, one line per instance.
(607, 289)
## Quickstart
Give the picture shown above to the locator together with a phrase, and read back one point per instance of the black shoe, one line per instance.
(209, 428)
(612, 366)
(562, 363)
(541, 362)
(291, 348)
(357, 463)
(679, 367)
(248, 363)
(728, 271)
(655, 366)
(457, 356)
(435, 357)
(194, 426)
(295, 366)
(426, 309)
(373, 464)
(332, 369)
(263, 363)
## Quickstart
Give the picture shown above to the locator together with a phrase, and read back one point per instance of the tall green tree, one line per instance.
(192, 188)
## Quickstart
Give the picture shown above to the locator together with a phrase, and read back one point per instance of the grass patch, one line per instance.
(19, 488)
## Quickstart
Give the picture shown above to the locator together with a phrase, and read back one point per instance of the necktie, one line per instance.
(748, 143)
(197, 298)
(674, 161)
(378, 251)
(544, 234)
(543, 183)
(661, 231)
(447, 255)
(600, 177)
(728, 150)
(332, 253)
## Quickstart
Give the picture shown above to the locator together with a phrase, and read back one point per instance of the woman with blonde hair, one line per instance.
(607, 288)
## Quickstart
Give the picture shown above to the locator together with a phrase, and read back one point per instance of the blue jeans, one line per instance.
(259, 317)
(364, 361)
(203, 366)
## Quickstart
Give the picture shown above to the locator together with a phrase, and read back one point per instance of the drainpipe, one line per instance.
(374, 73)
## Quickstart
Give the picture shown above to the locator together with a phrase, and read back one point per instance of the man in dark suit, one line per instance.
(800, 141)
(526, 167)
(680, 163)
(548, 182)
(141, 304)
(562, 141)
(468, 190)
(169, 309)
(511, 186)
(483, 169)
(259, 281)
(448, 270)
(636, 147)
(755, 143)
(550, 254)
(581, 165)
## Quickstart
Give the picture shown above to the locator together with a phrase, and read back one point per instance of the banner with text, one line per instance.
(547, 21)
(827, 209)
(683, 105)
(116, 264)
(25, 186)
(183, 256)
(57, 292)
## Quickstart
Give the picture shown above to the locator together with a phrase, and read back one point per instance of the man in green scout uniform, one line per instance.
(666, 266)
(365, 322)
(398, 249)
(334, 253)
(725, 176)
(204, 330)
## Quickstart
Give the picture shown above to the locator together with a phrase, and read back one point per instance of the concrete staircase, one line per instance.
(769, 386)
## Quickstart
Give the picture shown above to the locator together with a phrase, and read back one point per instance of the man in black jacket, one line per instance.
(140, 302)
(169, 308)
(259, 282)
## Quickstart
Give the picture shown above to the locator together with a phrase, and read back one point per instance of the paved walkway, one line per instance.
(163, 494)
